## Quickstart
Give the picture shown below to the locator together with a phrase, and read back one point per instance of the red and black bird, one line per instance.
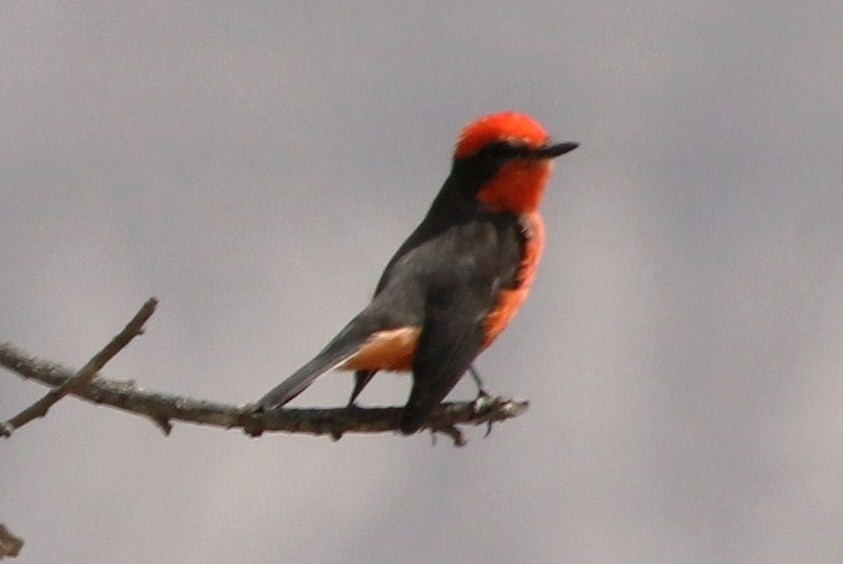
(460, 277)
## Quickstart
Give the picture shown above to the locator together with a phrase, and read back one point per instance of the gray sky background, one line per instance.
(255, 165)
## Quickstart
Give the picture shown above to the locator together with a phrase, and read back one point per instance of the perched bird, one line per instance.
(459, 278)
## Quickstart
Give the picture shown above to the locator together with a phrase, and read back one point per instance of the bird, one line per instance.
(460, 277)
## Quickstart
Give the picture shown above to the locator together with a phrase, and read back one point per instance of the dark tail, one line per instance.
(343, 347)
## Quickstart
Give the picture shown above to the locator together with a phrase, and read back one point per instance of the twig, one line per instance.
(10, 545)
(163, 408)
(85, 374)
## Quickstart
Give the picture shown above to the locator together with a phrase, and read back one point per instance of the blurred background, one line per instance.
(255, 165)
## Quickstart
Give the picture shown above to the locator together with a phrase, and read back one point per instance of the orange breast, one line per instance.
(510, 301)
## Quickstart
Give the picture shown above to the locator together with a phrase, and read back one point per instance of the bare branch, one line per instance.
(10, 545)
(164, 408)
(85, 374)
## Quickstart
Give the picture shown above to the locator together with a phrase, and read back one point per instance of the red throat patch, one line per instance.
(518, 187)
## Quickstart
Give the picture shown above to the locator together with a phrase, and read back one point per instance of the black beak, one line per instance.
(553, 151)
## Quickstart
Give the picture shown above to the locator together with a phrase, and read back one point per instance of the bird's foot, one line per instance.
(481, 404)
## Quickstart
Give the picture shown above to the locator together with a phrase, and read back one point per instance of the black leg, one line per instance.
(481, 388)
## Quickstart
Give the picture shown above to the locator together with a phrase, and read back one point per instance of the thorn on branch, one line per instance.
(455, 434)
(163, 423)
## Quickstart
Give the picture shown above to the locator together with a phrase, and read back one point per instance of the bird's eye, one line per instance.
(500, 151)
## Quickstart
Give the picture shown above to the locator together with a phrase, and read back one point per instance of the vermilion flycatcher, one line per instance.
(460, 277)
